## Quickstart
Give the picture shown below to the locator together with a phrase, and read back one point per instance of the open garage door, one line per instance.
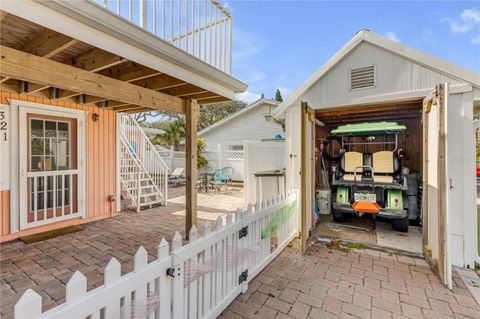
(435, 185)
(307, 173)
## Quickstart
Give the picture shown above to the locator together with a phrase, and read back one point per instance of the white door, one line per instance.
(51, 166)
(435, 187)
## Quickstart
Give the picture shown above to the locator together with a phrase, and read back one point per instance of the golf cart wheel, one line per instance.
(338, 216)
(400, 224)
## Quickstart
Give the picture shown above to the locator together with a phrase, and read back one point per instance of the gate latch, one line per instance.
(243, 232)
(243, 277)
(171, 272)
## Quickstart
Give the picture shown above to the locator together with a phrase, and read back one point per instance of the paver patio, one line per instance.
(328, 283)
(47, 266)
(324, 283)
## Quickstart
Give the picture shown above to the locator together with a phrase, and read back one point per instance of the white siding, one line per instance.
(249, 126)
(394, 74)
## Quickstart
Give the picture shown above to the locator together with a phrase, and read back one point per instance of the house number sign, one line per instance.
(4, 148)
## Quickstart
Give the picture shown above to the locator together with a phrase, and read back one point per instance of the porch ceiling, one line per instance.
(76, 69)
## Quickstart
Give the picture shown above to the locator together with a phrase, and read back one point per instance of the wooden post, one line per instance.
(191, 118)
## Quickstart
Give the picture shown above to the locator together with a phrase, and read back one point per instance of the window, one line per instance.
(235, 147)
(49, 145)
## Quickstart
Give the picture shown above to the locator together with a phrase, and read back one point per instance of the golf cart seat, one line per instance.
(348, 161)
(385, 165)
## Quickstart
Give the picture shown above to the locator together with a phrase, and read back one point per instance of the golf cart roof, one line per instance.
(369, 128)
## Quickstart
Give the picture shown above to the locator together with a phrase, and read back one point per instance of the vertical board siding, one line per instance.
(5, 212)
(100, 159)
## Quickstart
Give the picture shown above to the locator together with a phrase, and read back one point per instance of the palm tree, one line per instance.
(173, 135)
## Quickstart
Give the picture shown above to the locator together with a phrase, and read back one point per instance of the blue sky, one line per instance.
(279, 44)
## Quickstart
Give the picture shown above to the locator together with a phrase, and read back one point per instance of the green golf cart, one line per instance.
(371, 181)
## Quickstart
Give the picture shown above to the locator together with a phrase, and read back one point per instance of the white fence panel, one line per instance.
(197, 280)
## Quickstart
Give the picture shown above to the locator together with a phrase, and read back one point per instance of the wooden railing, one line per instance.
(196, 280)
(202, 28)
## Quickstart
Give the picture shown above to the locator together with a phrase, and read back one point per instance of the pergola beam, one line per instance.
(27, 67)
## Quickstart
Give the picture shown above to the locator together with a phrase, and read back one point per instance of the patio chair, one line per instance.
(221, 178)
(177, 177)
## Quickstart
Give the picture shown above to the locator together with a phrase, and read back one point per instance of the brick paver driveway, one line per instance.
(47, 266)
(328, 283)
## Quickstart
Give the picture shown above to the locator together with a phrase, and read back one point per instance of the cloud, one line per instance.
(428, 36)
(249, 74)
(248, 97)
(285, 91)
(392, 36)
(245, 45)
(468, 20)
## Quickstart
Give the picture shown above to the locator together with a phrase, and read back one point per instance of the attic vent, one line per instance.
(362, 77)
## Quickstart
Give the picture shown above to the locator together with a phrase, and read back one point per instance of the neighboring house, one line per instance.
(373, 78)
(69, 69)
(251, 123)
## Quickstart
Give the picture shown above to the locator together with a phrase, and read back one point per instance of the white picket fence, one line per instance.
(197, 280)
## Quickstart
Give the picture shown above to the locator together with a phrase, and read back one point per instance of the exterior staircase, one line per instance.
(143, 172)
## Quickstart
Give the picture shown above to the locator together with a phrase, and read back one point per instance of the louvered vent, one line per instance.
(362, 77)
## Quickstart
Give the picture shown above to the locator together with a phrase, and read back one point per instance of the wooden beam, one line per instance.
(184, 90)
(160, 82)
(27, 67)
(213, 100)
(3, 15)
(49, 43)
(191, 120)
(111, 105)
(130, 72)
(96, 60)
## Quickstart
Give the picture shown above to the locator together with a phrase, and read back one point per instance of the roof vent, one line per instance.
(362, 77)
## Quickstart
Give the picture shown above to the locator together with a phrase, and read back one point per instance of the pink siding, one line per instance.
(101, 170)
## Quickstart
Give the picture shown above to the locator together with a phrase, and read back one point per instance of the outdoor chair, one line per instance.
(177, 177)
(221, 178)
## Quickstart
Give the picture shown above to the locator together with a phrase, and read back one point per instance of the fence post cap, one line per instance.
(219, 222)
(112, 271)
(192, 234)
(76, 287)
(140, 259)
(207, 226)
(28, 306)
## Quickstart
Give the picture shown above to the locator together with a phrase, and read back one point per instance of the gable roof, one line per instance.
(419, 57)
(232, 116)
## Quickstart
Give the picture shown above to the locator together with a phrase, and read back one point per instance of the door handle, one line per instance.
(451, 185)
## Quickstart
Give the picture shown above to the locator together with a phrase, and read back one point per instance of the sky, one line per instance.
(279, 44)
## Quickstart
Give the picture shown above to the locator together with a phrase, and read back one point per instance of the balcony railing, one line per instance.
(203, 28)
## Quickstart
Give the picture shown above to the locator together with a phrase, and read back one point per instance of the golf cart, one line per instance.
(371, 181)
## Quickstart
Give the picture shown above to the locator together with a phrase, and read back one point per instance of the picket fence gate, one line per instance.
(196, 280)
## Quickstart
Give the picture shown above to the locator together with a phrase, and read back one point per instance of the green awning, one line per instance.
(369, 128)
